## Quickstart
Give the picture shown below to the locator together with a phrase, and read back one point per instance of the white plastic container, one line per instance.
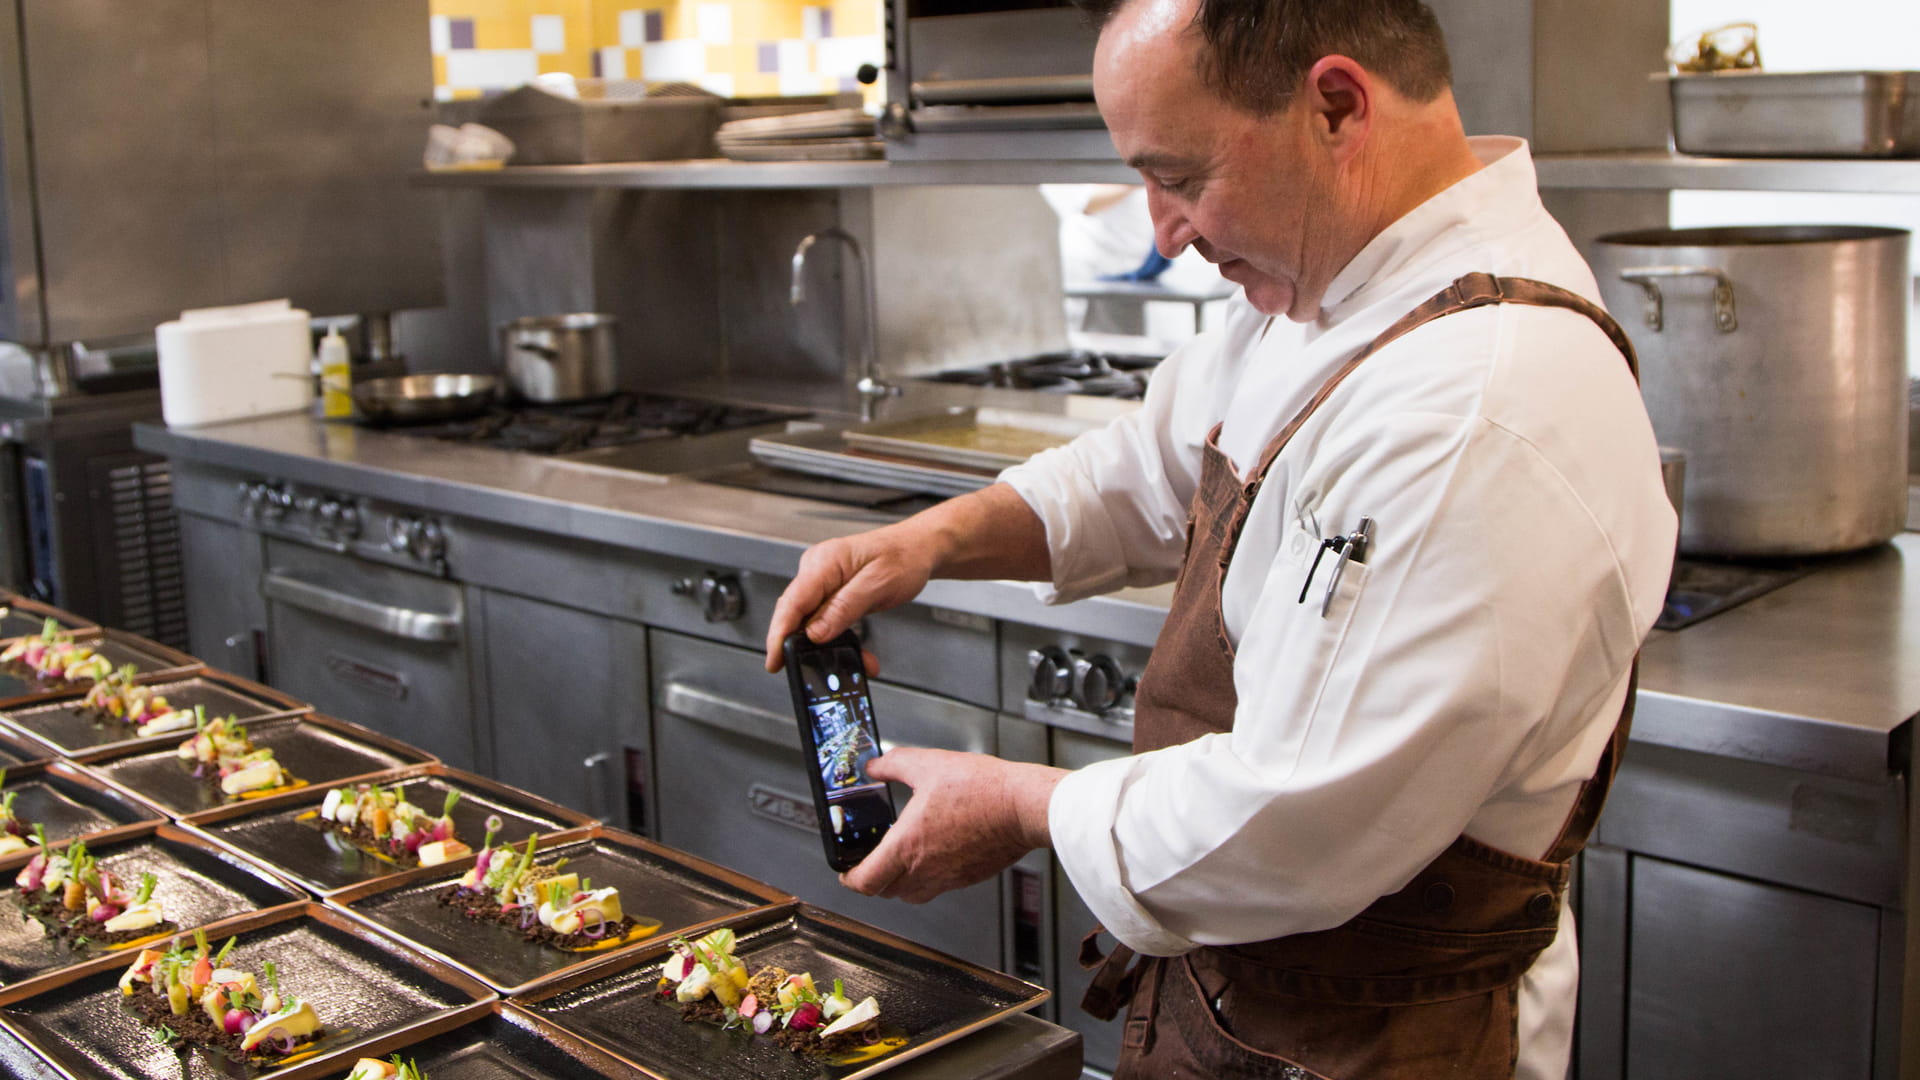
(232, 362)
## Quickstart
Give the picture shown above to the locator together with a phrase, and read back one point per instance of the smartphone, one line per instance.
(829, 684)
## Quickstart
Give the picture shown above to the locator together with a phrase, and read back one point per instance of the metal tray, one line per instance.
(15, 752)
(199, 884)
(825, 453)
(71, 803)
(933, 997)
(321, 750)
(21, 617)
(362, 984)
(972, 438)
(686, 894)
(504, 1042)
(74, 732)
(150, 657)
(274, 831)
(1797, 114)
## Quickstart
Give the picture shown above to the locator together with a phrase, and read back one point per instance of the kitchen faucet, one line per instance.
(870, 386)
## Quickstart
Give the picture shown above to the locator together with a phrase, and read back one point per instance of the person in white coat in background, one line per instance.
(1413, 505)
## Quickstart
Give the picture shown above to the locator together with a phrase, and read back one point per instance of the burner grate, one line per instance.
(1114, 375)
(615, 421)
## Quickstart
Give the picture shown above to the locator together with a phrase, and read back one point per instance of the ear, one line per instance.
(1340, 95)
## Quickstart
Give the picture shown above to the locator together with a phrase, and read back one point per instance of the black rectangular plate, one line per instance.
(14, 682)
(651, 887)
(18, 620)
(312, 752)
(68, 728)
(932, 998)
(70, 808)
(509, 1045)
(17, 751)
(360, 986)
(199, 884)
(324, 861)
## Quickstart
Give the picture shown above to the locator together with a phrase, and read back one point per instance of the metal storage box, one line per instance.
(1797, 114)
(547, 129)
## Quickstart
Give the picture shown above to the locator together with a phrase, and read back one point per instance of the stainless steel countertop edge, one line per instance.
(1702, 689)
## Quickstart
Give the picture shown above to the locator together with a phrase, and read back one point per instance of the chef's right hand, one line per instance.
(840, 581)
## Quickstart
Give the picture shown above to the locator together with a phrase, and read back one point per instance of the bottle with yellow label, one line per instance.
(336, 377)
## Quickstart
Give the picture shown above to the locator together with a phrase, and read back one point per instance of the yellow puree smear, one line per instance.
(642, 928)
(137, 942)
(281, 790)
(887, 1044)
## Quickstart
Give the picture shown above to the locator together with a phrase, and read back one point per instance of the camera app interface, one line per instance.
(845, 739)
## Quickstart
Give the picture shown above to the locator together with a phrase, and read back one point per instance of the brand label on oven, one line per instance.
(777, 805)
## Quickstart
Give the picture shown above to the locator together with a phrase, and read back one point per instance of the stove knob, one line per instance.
(1052, 674)
(722, 598)
(1098, 683)
(400, 531)
(278, 502)
(250, 498)
(429, 540)
(347, 525)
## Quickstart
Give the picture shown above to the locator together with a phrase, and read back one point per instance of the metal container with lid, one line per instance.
(1775, 358)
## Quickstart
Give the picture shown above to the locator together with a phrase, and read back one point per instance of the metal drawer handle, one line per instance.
(599, 801)
(1645, 276)
(726, 714)
(387, 619)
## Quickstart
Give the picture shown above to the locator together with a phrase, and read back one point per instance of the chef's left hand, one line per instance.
(971, 816)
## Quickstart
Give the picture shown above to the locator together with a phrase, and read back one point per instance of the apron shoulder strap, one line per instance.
(1467, 292)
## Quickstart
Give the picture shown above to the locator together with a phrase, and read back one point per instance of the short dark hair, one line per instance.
(1257, 51)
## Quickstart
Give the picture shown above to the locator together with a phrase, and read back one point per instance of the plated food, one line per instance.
(82, 903)
(14, 829)
(391, 1069)
(381, 821)
(543, 903)
(118, 697)
(711, 984)
(221, 753)
(197, 997)
(53, 654)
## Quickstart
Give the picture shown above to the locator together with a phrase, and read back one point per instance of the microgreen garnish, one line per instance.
(147, 883)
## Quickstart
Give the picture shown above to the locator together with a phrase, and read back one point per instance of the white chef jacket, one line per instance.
(1467, 676)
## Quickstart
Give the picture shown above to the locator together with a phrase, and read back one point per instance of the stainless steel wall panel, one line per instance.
(128, 191)
(21, 318)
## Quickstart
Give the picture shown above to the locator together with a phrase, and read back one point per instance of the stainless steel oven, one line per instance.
(733, 788)
(385, 646)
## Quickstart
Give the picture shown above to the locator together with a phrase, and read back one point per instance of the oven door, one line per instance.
(382, 647)
(733, 785)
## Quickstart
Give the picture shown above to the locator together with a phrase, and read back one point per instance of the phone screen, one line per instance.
(833, 688)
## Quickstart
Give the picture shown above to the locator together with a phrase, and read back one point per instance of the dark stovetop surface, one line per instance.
(614, 421)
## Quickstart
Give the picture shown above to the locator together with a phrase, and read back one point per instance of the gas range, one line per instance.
(1077, 371)
(620, 420)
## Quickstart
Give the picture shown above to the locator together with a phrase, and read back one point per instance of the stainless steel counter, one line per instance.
(1821, 675)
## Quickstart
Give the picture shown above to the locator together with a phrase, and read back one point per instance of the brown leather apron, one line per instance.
(1422, 983)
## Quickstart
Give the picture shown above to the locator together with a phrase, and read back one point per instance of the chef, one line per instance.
(1412, 506)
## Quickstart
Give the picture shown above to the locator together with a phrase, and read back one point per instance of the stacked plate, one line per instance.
(825, 135)
(371, 945)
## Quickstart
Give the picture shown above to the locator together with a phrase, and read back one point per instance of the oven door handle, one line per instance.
(725, 714)
(386, 618)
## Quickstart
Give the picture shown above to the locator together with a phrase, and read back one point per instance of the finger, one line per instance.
(871, 662)
(800, 598)
(879, 870)
(899, 765)
(865, 591)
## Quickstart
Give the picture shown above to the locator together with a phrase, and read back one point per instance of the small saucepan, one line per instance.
(425, 399)
(552, 358)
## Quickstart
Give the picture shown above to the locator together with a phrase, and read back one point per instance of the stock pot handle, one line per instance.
(1646, 276)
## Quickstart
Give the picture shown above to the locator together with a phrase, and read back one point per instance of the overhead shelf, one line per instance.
(722, 173)
(1660, 170)
(1643, 170)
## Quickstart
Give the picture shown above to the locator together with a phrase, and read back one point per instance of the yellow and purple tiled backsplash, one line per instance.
(731, 47)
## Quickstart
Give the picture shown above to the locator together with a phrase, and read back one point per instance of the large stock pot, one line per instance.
(1775, 358)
